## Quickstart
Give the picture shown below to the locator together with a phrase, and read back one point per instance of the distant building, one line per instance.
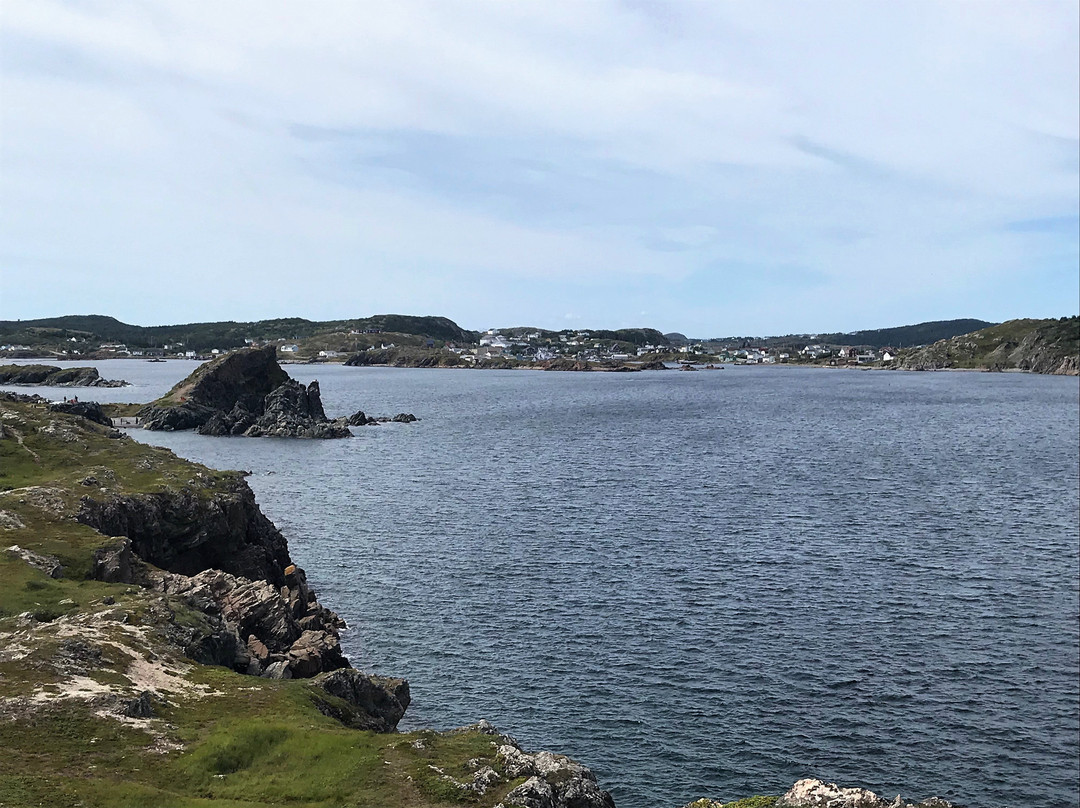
(290, 348)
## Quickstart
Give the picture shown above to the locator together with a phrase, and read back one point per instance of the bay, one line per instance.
(708, 583)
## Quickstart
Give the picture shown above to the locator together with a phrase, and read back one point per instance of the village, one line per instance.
(496, 344)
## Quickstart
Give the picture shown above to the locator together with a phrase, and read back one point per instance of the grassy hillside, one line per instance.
(1039, 346)
(91, 330)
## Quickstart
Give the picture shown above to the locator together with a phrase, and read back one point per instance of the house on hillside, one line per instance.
(290, 348)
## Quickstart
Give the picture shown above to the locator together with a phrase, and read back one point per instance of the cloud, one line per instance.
(531, 157)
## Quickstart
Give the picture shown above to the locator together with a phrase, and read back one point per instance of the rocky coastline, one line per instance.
(149, 602)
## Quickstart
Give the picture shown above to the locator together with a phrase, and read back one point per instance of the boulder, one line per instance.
(374, 702)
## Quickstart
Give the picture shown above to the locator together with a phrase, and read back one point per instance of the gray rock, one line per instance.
(555, 781)
(114, 563)
(48, 564)
(90, 410)
(374, 702)
(141, 707)
(277, 670)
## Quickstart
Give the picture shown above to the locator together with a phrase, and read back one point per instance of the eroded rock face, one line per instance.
(295, 411)
(810, 793)
(186, 532)
(255, 627)
(50, 565)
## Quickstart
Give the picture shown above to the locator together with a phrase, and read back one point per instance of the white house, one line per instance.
(291, 348)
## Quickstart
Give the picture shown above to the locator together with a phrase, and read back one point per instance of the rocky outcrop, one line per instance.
(1035, 346)
(50, 565)
(90, 410)
(52, 376)
(373, 702)
(811, 793)
(291, 410)
(564, 364)
(258, 628)
(195, 529)
(244, 393)
(554, 781)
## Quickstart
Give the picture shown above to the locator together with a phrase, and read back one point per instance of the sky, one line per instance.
(712, 168)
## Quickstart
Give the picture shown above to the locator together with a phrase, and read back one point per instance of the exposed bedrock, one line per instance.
(195, 529)
(251, 609)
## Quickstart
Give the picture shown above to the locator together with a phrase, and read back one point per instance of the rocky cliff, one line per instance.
(243, 393)
(52, 376)
(1036, 346)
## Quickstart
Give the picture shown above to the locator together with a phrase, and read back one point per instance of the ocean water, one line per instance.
(705, 584)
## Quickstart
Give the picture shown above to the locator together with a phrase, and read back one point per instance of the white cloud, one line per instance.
(855, 145)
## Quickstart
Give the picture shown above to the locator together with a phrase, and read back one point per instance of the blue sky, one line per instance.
(707, 167)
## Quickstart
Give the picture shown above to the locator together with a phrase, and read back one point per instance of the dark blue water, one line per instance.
(710, 583)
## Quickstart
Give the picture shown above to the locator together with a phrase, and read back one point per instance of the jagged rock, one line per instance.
(654, 364)
(258, 650)
(9, 520)
(48, 564)
(114, 563)
(245, 393)
(555, 781)
(277, 670)
(141, 707)
(313, 652)
(358, 418)
(810, 793)
(245, 377)
(254, 622)
(379, 702)
(294, 411)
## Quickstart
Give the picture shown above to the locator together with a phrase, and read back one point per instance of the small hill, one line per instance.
(57, 331)
(1037, 346)
(906, 335)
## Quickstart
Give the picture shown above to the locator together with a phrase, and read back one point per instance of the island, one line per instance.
(52, 376)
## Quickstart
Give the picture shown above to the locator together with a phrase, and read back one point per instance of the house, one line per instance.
(290, 348)
(328, 354)
(888, 355)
